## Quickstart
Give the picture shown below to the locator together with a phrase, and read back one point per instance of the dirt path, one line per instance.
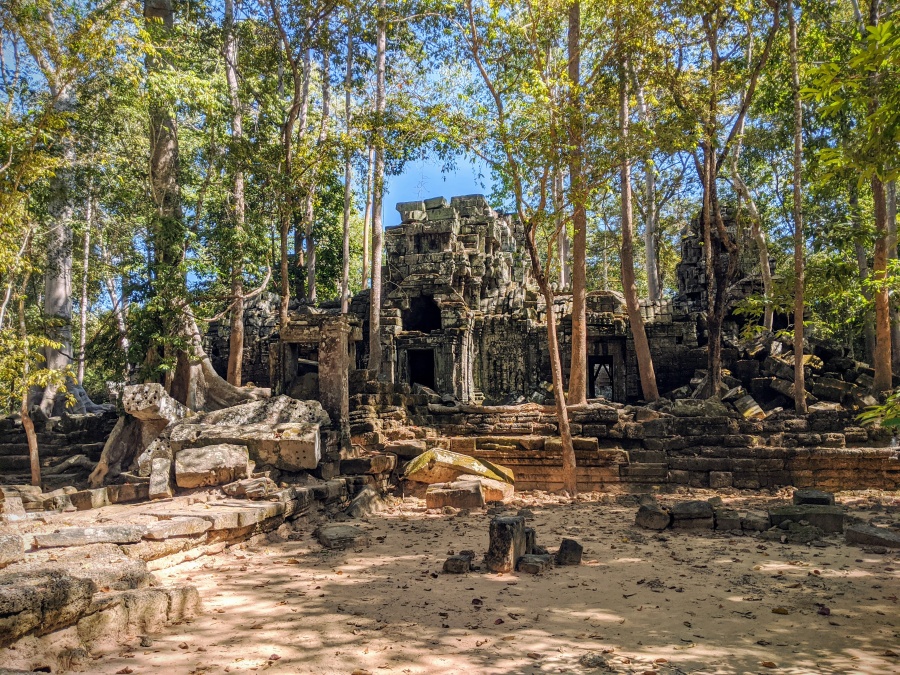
(641, 602)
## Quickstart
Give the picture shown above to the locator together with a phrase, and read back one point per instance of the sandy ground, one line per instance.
(641, 602)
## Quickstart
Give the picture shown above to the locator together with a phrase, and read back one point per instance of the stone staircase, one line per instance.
(59, 439)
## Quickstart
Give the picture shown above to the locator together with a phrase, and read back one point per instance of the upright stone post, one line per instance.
(334, 371)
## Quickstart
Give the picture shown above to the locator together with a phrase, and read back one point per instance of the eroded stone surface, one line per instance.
(443, 466)
(211, 465)
(506, 545)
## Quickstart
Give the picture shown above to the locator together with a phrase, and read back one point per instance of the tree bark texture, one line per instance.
(799, 267)
(882, 356)
(348, 171)
(236, 337)
(578, 188)
(375, 351)
(635, 319)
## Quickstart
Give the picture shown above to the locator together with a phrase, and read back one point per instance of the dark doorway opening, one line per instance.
(423, 315)
(421, 367)
(601, 377)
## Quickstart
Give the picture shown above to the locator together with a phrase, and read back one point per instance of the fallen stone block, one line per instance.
(569, 553)
(494, 490)
(268, 411)
(749, 408)
(458, 564)
(41, 601)
(507, 543)
(211, 465)
(82, 536)
(755, 522)
(251, 488)
(373, 464)
(152, 402)
(160, 479)
(815, 497)
(869, 535)
(12, 509)
(289, 446)
(89, 499)
(728, 520)
(533, 564)
(128, 492)
(460, 495)
(407, 449)
(443, 466)
(793, 533)
(12, 548)
(367, 503)
(827, 518)
(177, 527)
(693, 515)
(341, 536)
(652, 517)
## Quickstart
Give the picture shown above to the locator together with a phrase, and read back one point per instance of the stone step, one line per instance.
(15, 463)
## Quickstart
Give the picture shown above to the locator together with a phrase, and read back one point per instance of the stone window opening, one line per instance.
(423, 315)
(421, 367)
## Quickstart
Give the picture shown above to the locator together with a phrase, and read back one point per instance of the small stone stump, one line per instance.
(533, 564)
(693, 515)
(652, 517)
(569, 552)
(814, 497)
(507, 543)
(341, 536)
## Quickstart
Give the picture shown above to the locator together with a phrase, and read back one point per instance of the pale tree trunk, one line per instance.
(635, 319)
(58, 271)
(375, 351)
(578, 366)
(311, 294)
(300, 242)
(367, 217)
(83, 299)
(799, 267)
(236, 336)
(348, 171)
(651, 229)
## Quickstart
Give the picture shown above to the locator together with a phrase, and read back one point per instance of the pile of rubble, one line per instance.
(513, 547)
(759, 381)
(812, 516)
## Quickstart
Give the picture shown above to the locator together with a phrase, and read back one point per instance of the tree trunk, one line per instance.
(236, 337)
(892, 254)
(348, 172)
(310, 218)
(27, 424)
(759, 237)
(651, 229)
(636, 321)
(375, 352)
(83, 299)
(367, 217)
(799, 267)
(862, 263)
(578, 188)
(882, 356)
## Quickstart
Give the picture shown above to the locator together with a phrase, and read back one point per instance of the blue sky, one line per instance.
(423, 179)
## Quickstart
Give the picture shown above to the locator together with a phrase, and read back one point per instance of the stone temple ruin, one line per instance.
(462, 416)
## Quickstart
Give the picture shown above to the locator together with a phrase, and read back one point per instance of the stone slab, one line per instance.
(443, 466)
(869, 535)
(341, 536)
(82, 536)
(815, 497)
(827, 518)
(177, 527)
(533, 563)
(211, 465)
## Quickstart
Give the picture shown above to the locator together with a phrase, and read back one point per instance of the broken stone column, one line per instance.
(334, 370)
(507, 543)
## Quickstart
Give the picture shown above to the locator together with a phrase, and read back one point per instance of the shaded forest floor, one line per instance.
(641, 602)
